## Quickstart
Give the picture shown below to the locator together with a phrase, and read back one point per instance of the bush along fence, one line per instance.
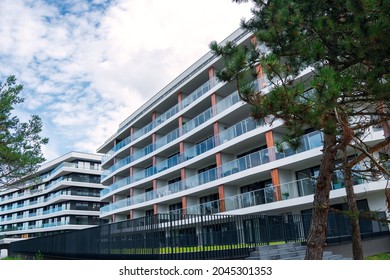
(176, 236)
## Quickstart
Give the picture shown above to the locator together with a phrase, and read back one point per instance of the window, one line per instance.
(204, 145)
(252, 151)
(206, 174)
(208, 198)
(255, 157)
(258, 193)
(173, 160)
(178, 179)
(82, 205)
(176, 208)
(307, 179)
(81, 220)
(173, 188)
(149, 171)
(149, 193)
(96, 206)
(209, 204)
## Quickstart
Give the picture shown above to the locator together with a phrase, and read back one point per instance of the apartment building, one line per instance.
(193, 148)
(64, 196)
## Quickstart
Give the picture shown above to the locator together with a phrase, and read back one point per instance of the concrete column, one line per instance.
(269, 138)
(184, 204)
(221, 188)
(212, 77)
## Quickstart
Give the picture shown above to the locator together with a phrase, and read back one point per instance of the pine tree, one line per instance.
(346, 45)
(20, 143)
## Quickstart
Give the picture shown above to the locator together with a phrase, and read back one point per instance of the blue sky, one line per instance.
(87, 65)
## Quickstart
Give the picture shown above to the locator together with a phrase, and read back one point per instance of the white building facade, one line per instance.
(64, 198)
(193, 148)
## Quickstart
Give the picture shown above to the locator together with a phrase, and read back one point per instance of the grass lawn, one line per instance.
(11, 258)
(382, 256)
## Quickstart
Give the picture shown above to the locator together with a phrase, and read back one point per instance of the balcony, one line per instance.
(162, 118)
(51, 225)
(50, 197)
(309, 141)
(269, 194)
(173, 135)
(28, 192)
(227, 135)
(192, 124)
(244, 200)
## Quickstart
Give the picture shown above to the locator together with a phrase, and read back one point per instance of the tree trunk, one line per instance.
(316, 240)
(357, 247)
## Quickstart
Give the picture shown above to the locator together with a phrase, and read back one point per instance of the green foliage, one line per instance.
(343, 49)
(38, 256)
(20, 143)
(346, 44)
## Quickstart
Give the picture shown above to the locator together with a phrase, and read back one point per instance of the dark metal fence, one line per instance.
(167, 236)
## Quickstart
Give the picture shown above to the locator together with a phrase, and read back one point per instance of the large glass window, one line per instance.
(174, 188)
(306, 180)
(176, 208)
(81, 220)
(204, 145)
(80, 205)
(209, 204)
(257, 193)
(173, 160)
(252, 151)
(205, 175)
(149, 193)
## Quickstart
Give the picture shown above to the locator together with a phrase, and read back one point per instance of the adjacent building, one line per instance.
(193, 148)
(63, 196)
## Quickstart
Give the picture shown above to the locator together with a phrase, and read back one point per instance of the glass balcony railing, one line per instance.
(163, 117)
(118, 184)
(249, 199)
(208, 208)
(47, 225)
(187, 127)
(54, 210)
(221, 106)
(32, 215)
(29, 192)
(226, 135)
(71, 165)
(309, 141)
(239, 201)
(266, 195)
(116, 166)
(35, 214)
(55, 224)
(307, 186)
(200, 91)
(50, 197)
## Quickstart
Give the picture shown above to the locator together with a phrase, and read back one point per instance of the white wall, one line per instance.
(377, 201)
(3, 253)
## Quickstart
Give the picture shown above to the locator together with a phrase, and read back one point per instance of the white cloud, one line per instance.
(87, 69)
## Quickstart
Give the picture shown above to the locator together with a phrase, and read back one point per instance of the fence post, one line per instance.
(284, 228)
(268, 230)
